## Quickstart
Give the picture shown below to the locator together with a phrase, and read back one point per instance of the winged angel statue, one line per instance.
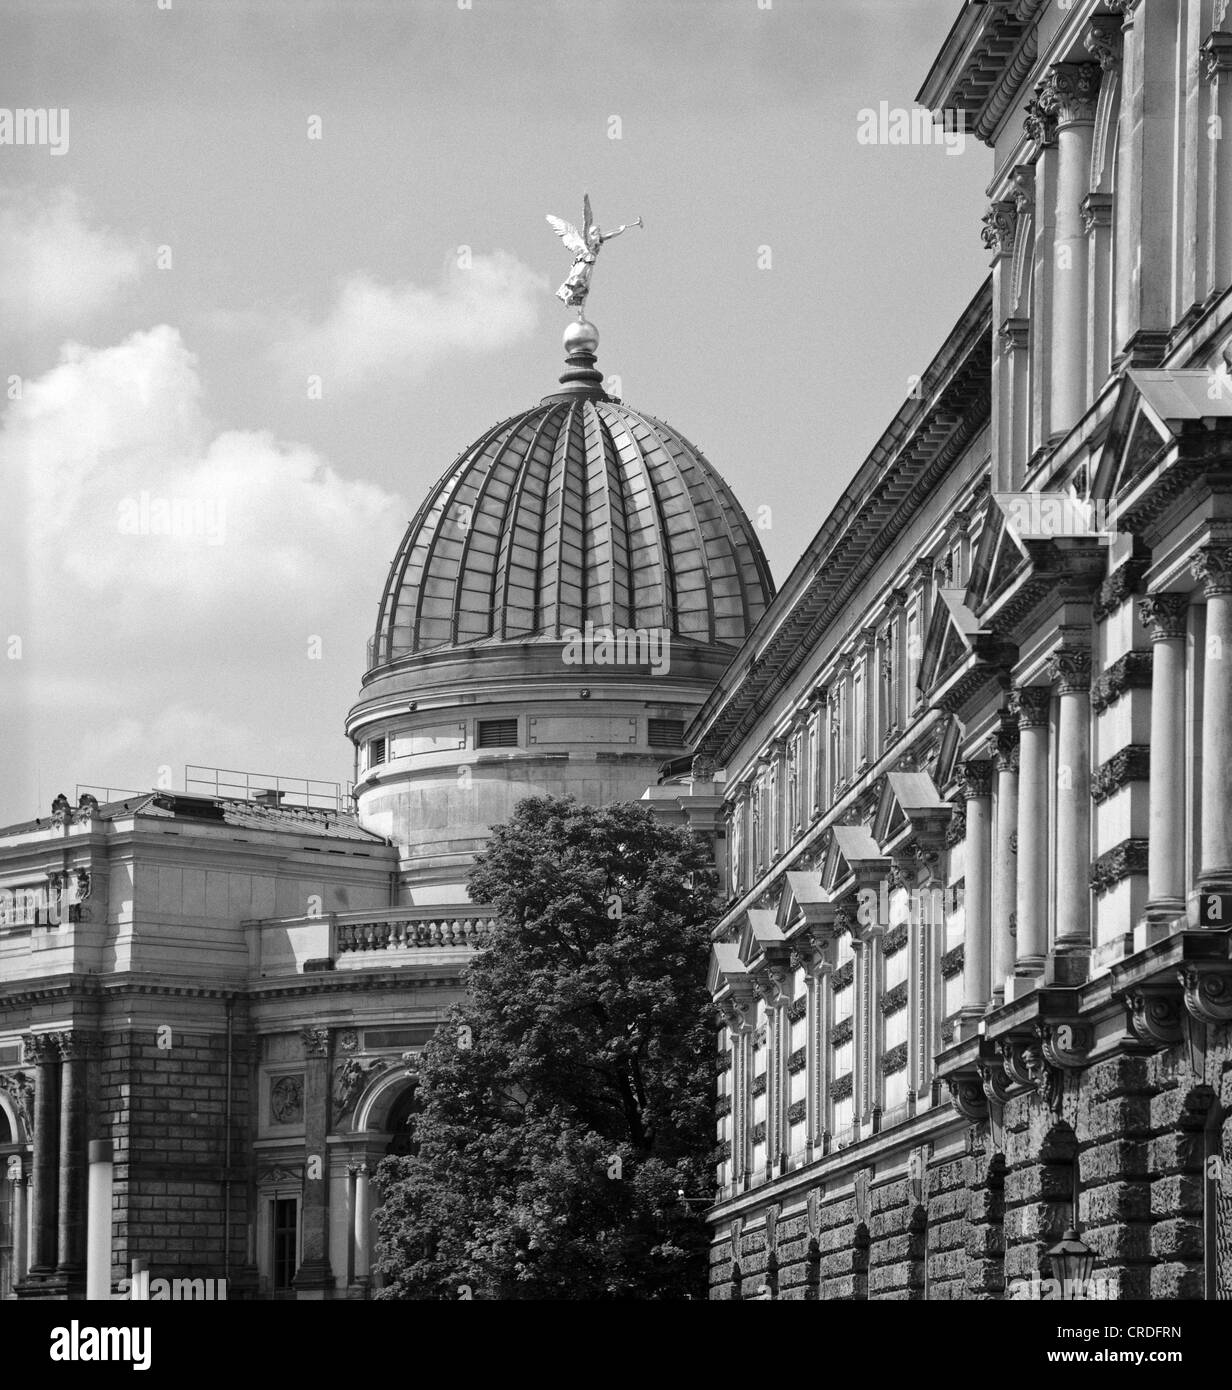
(585, 246)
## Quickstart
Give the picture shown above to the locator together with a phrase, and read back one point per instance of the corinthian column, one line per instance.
(1217, 68)
(1031, 706)
(1069, 93)
(1004, 869)
(72, 1222)
(1071, 669)
(1213, 567)
(975, 782)
(40, 1048)
(1164, 617)
(314, 1276)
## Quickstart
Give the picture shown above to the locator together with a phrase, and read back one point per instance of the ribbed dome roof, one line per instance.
(577, 510)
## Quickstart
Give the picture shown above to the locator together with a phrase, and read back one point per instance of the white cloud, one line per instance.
(373, 329)
(168, 582)
(55, 268)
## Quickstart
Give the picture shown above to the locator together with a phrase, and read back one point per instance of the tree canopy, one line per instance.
(565, 1135)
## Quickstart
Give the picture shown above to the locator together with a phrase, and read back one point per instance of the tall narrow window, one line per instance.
(915, 653)
(286, 1242)
(859, 714)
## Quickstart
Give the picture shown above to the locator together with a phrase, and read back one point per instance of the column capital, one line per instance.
(1070, 667)
(1069, 92)
(975, 778)
(1103, 41)
(1030, 705)
(1014, 334)
(41, 1047)
(1003, 744)
(74, 1044)
(316, 1041)
(1212, 567)
(997, 227)
(1039, 123)
(1164, 615)
(1124, 7)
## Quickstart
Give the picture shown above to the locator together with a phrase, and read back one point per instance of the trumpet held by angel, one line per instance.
(585, 245)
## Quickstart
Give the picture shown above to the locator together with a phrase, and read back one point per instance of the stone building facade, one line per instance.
(975, 978)
(233, 990)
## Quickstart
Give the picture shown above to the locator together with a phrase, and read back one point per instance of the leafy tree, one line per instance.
(566, 1107)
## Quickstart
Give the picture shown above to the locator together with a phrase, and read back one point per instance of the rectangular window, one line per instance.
(286, 1242)
(860, 714)
(915, 653)
(377, 751)
(497, 733)
(665, 733)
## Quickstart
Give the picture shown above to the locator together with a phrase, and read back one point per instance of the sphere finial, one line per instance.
(581, 336)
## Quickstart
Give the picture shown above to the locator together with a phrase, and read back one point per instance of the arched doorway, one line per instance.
(401, 1122)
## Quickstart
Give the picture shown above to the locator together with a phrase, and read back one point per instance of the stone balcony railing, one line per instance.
(366, 939)
(405, 933)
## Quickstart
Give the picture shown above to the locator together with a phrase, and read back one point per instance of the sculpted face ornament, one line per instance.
(585, 246)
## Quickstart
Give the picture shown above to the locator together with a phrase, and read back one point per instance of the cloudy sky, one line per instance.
(292, 257)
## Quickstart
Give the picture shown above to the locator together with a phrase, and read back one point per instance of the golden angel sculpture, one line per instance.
(585, 246)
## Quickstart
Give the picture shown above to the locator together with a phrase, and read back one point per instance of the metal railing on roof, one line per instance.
(313, 793)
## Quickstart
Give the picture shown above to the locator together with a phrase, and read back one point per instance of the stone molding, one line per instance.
(1133, 671)
(1031, 705)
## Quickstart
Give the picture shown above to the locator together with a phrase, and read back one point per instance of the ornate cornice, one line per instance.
(1130, 672)
(1031, 705)
(1129, 857)
(1131, 764)
(1164, 616)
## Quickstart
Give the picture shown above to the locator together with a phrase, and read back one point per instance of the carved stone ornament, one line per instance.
(1132, 671)
(737, 1236)
(1120, 586)
(975, 778)
(997, 1085)
(74, 1044)
(1130, 764)
(812, 1213)
(349, 1081)
(316, 1041)
(38, 1048)
(956, 831)
(1070, 667)
(772, 1229)
(1030, 705)
(1070, 91)
(1044, 1078)
(1014, 1061)
(1004, 744)
(968, 1098)
(19, 1087)
(287, 1099)
(1208, 992)
(1103, 42)
(997, 226)
(82, 879)
(1164, 616)
(1066, 1044)
(1212, 568)
(1156, 1015)
(348, 1040)
(1216, 50)
(862, 1178)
